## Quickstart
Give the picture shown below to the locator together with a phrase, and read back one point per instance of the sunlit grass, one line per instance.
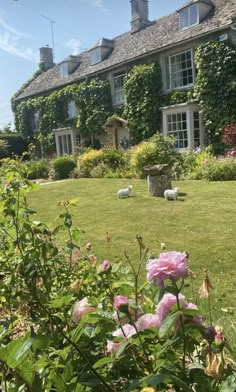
(202, 221)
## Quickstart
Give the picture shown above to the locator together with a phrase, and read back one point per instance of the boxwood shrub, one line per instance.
(63, 166)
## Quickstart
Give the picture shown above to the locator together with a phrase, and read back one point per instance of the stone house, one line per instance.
(170, 41)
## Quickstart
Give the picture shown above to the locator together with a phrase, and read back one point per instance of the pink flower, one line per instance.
(126, 331)
(169, 265)
(112, 347)
(198, 319)
(89, 245)
(120, 301)
(147, 321)
(105, 266)
(80, 308)
(120, 319)
(165, 305)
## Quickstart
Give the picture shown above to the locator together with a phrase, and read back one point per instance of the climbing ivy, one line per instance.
(143, 92)
(215, 88)
(178, 96)
(92, 99)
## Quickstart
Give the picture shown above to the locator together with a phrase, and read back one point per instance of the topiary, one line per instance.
(62, 167)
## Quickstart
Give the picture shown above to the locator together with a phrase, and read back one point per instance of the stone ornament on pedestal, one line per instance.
(159, 179)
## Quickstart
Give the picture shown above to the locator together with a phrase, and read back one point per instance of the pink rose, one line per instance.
(120, 319)
(197, 319)
(89, 245)
(147, 321)
(119, 301)
(126, 331)
(105, 266)
(165, 305)
(112, 347)
(80, 308)
(169, 265)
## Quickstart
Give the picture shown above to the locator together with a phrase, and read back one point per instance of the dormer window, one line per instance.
(63, 69)
(189, 16)
(101, 50)
(95, 56)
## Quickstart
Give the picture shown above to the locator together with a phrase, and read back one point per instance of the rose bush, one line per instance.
(71, 322)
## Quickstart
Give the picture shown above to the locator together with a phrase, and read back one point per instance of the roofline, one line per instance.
(124, 62)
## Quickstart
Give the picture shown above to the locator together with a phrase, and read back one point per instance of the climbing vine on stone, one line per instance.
(143, 92)
(215, 88)
(92, 99)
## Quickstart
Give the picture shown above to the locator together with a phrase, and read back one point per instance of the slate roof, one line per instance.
(128, 47)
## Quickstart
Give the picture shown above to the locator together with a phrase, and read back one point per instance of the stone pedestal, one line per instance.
(159, 179)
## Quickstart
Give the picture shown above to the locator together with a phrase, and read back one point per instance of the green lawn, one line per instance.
(202, 221)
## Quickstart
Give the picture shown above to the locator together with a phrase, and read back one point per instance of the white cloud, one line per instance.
(97, 4)
(10, 42)
(74, 45)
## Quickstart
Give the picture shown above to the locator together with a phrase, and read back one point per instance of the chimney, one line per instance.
(139, 15)
(46, 58)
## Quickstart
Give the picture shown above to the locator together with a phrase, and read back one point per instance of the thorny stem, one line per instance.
(181, 323)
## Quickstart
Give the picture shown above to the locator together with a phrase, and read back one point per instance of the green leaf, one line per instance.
(61, 302)
(229, 385)
(167, 324)
(89, 379)
(102, 362)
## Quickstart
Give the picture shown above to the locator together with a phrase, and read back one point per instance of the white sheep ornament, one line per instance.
(122, 193)
(171, 194)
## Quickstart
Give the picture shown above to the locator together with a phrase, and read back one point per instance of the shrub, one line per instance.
(218, 169)
(63, 166)
(15, 145)
(96, 163)
(38, 169)
(159, 149)
(88, 161)
(192, 161)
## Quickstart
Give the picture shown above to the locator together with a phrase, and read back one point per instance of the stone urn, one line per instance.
(158, 178)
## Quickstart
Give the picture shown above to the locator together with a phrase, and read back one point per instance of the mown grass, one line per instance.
(202, 221)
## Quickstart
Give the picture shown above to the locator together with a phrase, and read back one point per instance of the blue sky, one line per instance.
(79, 24)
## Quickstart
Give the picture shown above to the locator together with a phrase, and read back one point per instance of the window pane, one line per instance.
(118, 85)
(95, 56)
(193, 14)
(181, 68)
(184, 18)
(177, 126)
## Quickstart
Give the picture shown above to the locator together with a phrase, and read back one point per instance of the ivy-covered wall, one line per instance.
(214, 91)
(143, 93)
(215, 88)
(92, 99)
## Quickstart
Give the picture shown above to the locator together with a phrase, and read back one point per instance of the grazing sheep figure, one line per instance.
(171, 194)
(124, 192)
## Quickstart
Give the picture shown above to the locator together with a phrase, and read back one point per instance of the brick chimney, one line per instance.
(46, 58)
(139, 10)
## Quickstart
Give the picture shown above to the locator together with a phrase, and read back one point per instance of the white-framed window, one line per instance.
(183, 121)
(72, 110)
(118, 88)
(189, 16)
(63, 69)
(179, 70)
(95, 56)
(65, 144)
(177, 127)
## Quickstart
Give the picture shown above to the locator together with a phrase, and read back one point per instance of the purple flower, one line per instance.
(169, 265)
(210, 333)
